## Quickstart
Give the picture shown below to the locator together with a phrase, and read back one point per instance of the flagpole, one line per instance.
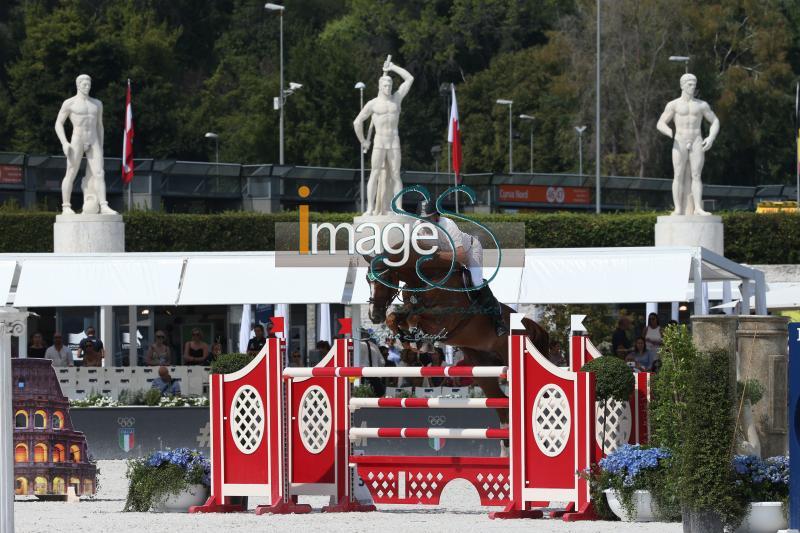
(797, 140)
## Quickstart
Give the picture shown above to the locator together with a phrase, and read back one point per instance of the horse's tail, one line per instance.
(538, 335)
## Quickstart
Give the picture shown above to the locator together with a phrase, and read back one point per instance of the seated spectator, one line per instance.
(158, 354)
(195, 351)
(554, 355)
(408, 358)
(165, 384)
(256, 343)
(37, 347)
(58, 353)
(216, 350)
(640, 356)
(295, 359)
(270, 327)
(620, 345)
(91, 349)
(436, 359)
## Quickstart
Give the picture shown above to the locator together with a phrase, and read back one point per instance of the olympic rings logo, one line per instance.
(438, 420)
(126, 421)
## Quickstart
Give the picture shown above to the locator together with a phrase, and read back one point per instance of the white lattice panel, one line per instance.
(495, 487)
(384, 484)
(247, 419)
(551, 420)
(315, 420)
(616, 429)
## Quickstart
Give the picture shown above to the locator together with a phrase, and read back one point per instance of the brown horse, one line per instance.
(447, 316)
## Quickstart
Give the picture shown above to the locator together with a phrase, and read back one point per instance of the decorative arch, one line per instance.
(58, 420)
(21, 486)
(40, 419)
(88, 487)
(59, 453)
(21, 453)
(40, 485)
(59, 487)
(21, 419)
(40, 453)
(75, 453)
(75, 482)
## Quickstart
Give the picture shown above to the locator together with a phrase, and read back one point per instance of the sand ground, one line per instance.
(459, 512)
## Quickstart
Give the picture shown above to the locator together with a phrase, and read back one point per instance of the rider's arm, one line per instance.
(461, 255)
(408, 79)
(666, 116)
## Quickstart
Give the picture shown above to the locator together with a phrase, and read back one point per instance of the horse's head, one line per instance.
(381, 295)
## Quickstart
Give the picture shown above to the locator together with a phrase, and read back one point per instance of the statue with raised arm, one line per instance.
(384, 110)
(688, 147)
(86, 115)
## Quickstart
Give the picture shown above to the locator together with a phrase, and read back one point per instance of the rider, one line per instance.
(468, 253)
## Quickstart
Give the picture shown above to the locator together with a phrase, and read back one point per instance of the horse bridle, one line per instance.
(373, 278)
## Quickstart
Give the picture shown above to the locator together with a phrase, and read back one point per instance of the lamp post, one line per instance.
(279, 9)
(681, 59)
(580, 130)
(597, 118)
(435, 151)
(360, 86)
(531, 118)
(212, 135)
(509, 103)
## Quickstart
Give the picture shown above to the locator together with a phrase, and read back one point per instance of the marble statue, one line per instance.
(384, 110)
(689, 147)
(86, 115)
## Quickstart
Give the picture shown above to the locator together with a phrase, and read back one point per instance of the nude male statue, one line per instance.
(86, 115)
(689, 147)
(385, 113)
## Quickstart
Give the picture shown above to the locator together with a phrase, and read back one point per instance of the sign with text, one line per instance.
(544, 194)
(10, 174)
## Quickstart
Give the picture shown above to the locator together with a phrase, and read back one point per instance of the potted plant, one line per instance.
(167, 481)
(628, 475)
(765, 484)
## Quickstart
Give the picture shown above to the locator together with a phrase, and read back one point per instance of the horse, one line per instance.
(447, 316)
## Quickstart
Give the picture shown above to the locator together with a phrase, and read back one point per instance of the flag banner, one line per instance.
(454, 135)
(127, 141)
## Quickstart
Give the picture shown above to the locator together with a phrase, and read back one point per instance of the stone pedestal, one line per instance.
(89, 234)
(762, 342)
(691, 230)
(710, 332)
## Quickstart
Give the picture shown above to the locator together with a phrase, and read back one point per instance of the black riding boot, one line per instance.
(488, 302)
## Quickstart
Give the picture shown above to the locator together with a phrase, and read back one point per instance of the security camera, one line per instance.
(294, 86)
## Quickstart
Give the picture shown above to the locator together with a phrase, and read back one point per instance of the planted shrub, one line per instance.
(151, 479)
(228, 363)
(632, 468)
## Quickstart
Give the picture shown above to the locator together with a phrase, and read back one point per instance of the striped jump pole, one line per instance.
(396, 372)
(421, 403)
(427, 433)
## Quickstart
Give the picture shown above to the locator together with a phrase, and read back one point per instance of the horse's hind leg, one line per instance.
(490, 386)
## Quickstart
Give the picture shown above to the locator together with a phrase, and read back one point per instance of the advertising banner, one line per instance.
(543, 194)
(10, 174)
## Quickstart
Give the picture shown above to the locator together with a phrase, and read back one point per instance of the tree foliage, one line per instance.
(213, 65)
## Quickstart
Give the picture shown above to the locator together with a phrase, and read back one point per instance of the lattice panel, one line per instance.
(315, 420)
(493, 487)
(551, 420)
(616, 429)
(381, 484)
(425, 486)
(247, 419)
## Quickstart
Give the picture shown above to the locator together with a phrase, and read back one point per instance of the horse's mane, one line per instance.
(434, 269)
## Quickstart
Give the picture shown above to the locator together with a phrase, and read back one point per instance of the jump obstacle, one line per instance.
(282, 432)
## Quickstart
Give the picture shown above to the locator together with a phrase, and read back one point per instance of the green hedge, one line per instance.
(749, 237)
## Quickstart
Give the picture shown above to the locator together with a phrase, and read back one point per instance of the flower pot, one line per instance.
(701, 521)
(764, 517)
(643, 507)
(180, 503)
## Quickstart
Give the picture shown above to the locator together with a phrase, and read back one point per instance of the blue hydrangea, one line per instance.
(764, 476)
(628, 461)
(185, 458)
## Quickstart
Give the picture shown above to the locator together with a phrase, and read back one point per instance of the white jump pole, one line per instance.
(12, 322)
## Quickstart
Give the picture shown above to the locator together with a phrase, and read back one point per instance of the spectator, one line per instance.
(324, 347)
(59, 354)
(158, 354)
(295, 359)
(436, 359)
(408, 358)
(640, 356)
(620, 345)
(37, 347)
(195, 351)
(165, 384)
(652, 334)
(270, 327)
(216, 350)
(256, 343)
(91, 349)
(554, 354)
(460, 381)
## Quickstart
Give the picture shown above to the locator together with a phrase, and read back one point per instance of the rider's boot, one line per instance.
(486, 300)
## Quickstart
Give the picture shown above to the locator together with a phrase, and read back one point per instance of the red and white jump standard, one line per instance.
(281, 433)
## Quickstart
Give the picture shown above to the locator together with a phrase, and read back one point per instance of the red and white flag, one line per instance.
(127, 141)
(454, 135)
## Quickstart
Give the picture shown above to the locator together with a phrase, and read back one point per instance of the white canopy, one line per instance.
(565, 275)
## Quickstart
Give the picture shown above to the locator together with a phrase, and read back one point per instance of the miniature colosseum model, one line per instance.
(49, 455)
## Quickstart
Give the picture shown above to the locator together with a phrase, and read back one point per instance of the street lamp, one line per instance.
(212, 135)
(580, 130)
(279, 9)
(435, 151)
(531, 118)
(509, 103)
(597, 117)
(360, 86)
(681, 59)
